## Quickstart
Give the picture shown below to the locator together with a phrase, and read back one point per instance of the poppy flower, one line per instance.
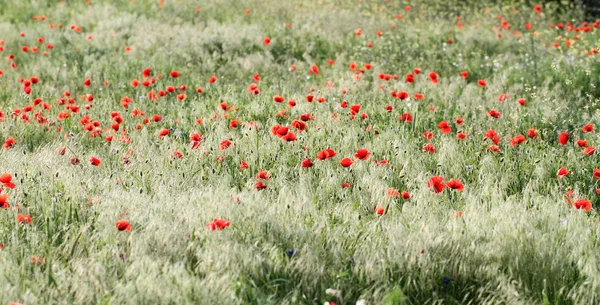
(299, 125)
(481, 83)
(563, 138)
(379, 210)
(532, 133)
(444, 127)
(267, 41)
(461, 136)
(455, 185)
(123, 225)
(494, 148)
(6, 180)
(289, 137)
(522, 101)
(406, 117)
(428, 135)
(10, 142)
(405, 195)
(495, 114)
(260, 186)
(516, 140)
(502, 97)
(24, 218)
(178, 155)
(588, 128)
(218, 224)
(224, 145)
(537, 9)
(433, 77)
(429, 148)
(262, 175)
(346, 162)
(562, 172)
(244, 165)
(174, 74)
(582, 143)
(464, 74)
(346, 185)
(362, 154)
(306, 163)
(597, 173)
(436, 184)
(163, 132)
(94, 161)
(584, 204)
(278, 99)
(3, 203)
(588, 151)
(213, 79)
(326, 154)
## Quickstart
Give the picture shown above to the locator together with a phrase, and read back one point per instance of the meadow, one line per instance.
(299, 152)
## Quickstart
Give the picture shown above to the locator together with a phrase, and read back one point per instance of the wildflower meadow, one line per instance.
(299, 152)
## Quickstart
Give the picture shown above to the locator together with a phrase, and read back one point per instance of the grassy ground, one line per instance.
(139, 227)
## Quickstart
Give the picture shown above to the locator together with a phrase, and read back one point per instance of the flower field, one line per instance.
(299, 152)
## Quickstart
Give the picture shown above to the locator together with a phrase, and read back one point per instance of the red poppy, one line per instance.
(461, 135)
(379, 210)
(563, 138)
(464, 74)
(532, 133)
(260, 186)
(455, 184)
(436, 184)
(537, 9)
(306, 163)
(267, 41)
(213, 79)
(24, 218)
(522, 101)
(346, 162)
(10, 142)
(406, 117)
(218, 224)
(428, 135)
(123, 225)
(495, 114)
(174, 74)
(362, 154)
(262, 175)
(3, 203)
(597, 173)
(584, 204)
(582, 143)
(588, 151)
(429, 148)
(6, 180)
(94, 161)
(516, 140)
(444, 127)
(588, 128)
(244, 165)
(482, 83)
(163, 132)
(326, 154)
(405, 195)
(224, 145)
(433, 77)
(562, 172)
(278, 99)
(494, 148)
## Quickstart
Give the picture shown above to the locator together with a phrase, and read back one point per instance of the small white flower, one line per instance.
(333, 292)
(361, 302)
